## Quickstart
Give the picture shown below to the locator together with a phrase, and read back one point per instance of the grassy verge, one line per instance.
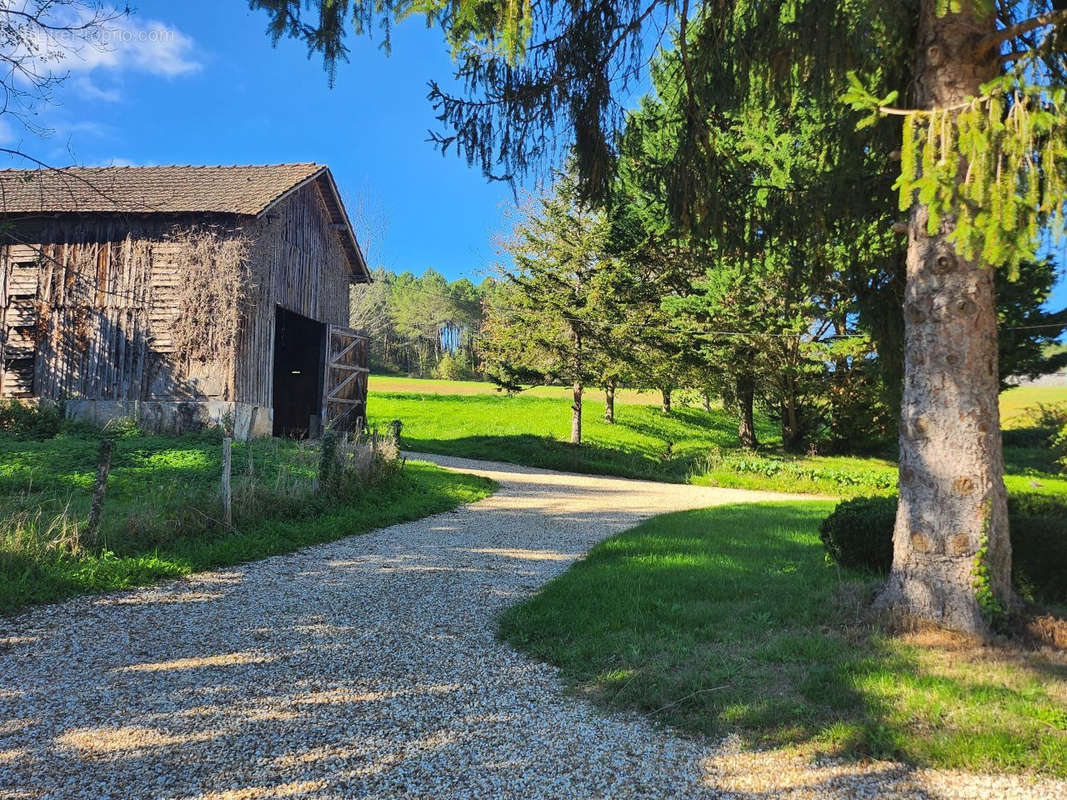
(689, 445)
(730, 620)
(160, 513)
(841, 476)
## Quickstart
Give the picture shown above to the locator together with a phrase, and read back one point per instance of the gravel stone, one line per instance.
(368, 667)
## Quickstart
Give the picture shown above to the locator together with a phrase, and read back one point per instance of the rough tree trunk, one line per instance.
(609, 404)
(666, 393)
(707, 403)
(746, 429)
(576, 414)
(952, 497)
(790, 423)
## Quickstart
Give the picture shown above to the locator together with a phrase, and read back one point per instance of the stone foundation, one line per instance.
(152, 416)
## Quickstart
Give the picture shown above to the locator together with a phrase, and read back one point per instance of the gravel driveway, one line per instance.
(368, 668)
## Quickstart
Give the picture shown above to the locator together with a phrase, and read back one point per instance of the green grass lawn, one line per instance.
(161, 510)
(644, 443)
(393, 384)
(730, 620)
(689, 445)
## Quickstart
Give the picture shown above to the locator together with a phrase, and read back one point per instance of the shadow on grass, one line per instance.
(549, 453)
(729, 620)
(68, 465)
(1028, 460)
(717, 425)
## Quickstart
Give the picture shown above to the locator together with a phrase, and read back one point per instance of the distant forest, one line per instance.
(423, 326)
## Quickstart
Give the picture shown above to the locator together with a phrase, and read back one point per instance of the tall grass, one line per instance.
(163, 512)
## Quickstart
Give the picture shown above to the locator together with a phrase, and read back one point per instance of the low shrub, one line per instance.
(453, 368)
(39, 422)
(348, 466)
(30, 422)
(770, 467)
(1058, 444)
(1045, 427)
(859, 535)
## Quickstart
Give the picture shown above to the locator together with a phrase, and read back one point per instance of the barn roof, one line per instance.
(241, 190)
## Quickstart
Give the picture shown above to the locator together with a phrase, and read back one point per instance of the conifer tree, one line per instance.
(547, 322)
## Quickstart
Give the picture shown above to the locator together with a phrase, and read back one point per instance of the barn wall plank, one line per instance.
(297, 263)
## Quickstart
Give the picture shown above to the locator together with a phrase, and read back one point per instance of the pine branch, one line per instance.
(986, 43)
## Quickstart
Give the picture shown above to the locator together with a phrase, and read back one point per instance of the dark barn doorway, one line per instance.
(298, 370)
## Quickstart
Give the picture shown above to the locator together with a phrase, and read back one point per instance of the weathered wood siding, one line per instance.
(86, 305)
(88, 310)
(297, 263)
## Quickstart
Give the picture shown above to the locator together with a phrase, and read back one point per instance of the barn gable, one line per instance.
(248, 191)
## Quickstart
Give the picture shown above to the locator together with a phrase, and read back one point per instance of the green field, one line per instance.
(391, 384)
(470, 420)
(1017, 404)
(534, 430)
(162, 508)
(729, 620)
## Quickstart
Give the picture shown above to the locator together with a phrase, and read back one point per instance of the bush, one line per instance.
(30, 422)
(453, 368)
(1058, 444)
(1045, 426)
(859, 535)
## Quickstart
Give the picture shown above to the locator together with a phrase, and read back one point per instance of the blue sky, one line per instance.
(198, 82)
(208, 88)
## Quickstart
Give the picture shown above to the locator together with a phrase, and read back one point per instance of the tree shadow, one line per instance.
(728, 622)
(546, 452)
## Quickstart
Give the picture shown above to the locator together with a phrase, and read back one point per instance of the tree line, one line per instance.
(599, 298)
(421, 325)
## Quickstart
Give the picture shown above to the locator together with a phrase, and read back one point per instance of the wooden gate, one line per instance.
(344, 396)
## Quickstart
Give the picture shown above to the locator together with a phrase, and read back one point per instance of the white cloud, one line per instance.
(122, 43)
(118, 161)
(129, 44)
(90, 91)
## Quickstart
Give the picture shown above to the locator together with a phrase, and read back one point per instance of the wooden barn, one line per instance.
(183, 296)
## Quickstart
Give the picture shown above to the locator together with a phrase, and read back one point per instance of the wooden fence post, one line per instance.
(103, 468)
(227, 495)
